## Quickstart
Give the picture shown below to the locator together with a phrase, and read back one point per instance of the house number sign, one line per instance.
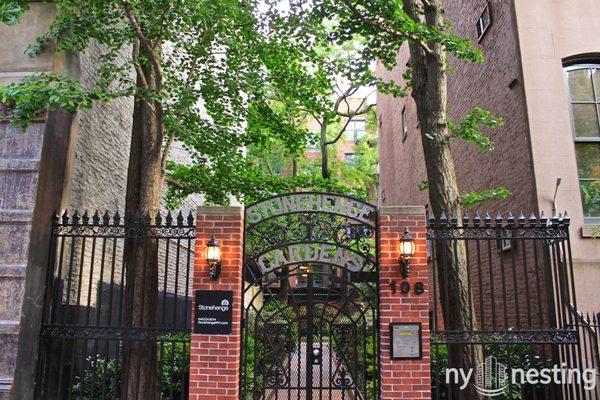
(406, 343)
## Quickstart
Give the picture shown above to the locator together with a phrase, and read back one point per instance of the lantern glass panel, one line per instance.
(213, 254)
(407, 248)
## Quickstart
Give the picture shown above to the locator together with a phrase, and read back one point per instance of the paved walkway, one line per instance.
(322, 379)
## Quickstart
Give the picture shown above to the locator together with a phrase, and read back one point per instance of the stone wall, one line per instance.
(19, 167)
(99, 168)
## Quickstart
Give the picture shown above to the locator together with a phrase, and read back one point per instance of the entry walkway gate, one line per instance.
(310, 320)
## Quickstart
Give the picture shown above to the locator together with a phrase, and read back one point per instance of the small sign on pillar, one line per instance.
(406, 341)
(213, 312)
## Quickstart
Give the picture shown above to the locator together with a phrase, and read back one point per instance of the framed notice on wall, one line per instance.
(406, 341)
(213, 311)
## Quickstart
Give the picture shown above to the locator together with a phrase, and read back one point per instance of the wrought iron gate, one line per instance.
(311, 305)
(91, 347)
(517, 276)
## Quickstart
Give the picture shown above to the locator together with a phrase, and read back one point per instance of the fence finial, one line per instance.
(106, 218)
(147, 218)
(96, 218)
(117, 218)
(465, 219)
(443, 220)
(499, 219)
(180, 219)
(532, 218)
(454, 220)
(190, 219)
(431, 218)
(510, 219)
(76, 217)
(487, 219)
(85, 219)
(543, 218)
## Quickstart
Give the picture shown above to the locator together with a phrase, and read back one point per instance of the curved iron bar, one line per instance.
(345, 196)
(354, 286)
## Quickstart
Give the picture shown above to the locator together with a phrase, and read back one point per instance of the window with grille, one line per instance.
(583, 82)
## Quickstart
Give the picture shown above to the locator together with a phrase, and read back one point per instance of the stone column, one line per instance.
(215, 358)
(403, 379)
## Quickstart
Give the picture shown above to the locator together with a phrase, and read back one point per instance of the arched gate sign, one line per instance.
(310, 318)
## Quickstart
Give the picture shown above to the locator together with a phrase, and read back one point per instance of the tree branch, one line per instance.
(167, 8)
(349, 92)
(359, 111)
(171, 139)
(138, 69)
(140, 35)
(385, 28)
(174, 182)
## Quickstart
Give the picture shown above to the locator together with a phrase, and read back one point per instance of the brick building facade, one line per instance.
(527, 45)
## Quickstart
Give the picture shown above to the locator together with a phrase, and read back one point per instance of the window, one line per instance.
(484, 22)
(349, 158)
(356, 129)
(583, 81)
(317, 271)
(404, 125)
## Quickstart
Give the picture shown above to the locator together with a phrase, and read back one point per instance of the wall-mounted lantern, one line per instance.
(407, 251)
(213, 257)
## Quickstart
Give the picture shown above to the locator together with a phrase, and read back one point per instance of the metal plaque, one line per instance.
(213, 312)
(406, 341)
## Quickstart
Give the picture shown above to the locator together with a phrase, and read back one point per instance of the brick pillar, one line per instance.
(403, 379)
(215, 359)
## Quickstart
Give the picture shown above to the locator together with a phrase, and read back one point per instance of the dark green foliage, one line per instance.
(11, 11)
(468, 128)
(102, 378)
(471, 199)
(522, 356)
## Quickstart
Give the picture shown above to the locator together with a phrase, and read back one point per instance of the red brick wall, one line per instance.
(215, 359)
(495, 84)
(403, 379)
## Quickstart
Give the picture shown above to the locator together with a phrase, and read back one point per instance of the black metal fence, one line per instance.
(586, 356)
(90, 340)
(501, 294)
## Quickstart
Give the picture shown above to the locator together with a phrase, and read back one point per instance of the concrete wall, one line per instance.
(19, 166)
(549, 32)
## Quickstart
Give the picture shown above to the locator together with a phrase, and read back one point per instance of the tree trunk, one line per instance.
(294, 168)
(144, 192)
(430, 95)
(324, 158)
